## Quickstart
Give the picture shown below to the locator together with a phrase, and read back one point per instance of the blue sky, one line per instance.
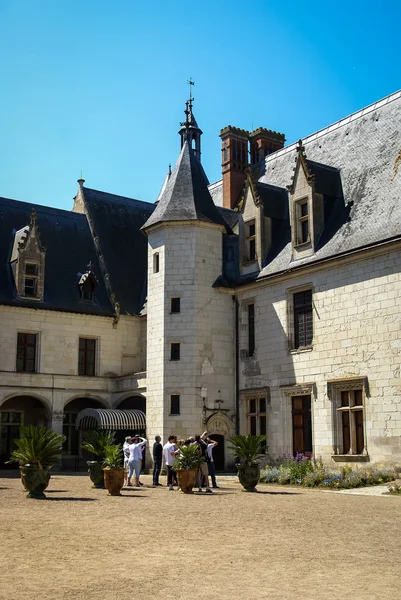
(100, 86)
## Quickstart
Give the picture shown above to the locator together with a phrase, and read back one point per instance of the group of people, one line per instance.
(134, 447)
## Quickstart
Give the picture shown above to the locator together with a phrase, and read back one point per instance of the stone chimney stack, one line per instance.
(234, 148)
(263, 142)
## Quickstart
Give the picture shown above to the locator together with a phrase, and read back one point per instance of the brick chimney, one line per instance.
(263, 142)
(234, 148)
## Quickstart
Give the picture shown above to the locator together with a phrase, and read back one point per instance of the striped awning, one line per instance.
(104, 418)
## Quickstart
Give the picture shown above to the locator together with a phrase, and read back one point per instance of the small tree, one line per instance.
(247, 448)
(96, 441)
(37, 445)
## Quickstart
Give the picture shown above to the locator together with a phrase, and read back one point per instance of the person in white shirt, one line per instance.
(128, 441)
(210, 462)
(169, 452)
(135, 459)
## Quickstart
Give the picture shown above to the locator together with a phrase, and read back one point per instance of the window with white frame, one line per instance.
(250, 233)
(302, 221)
(349, 416)
(31, 275)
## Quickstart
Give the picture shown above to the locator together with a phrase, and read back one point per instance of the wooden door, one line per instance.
(301, 425)
(218, 451)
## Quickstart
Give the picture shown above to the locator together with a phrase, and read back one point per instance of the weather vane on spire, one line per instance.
(191, 98)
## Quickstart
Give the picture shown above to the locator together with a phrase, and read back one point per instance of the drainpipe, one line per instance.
(236, 366)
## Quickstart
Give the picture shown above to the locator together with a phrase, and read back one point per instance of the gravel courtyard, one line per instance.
(282, 543)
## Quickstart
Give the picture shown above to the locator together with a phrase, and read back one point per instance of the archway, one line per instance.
(15, 412)
(218, 451)
(74, 457)
(220, 428)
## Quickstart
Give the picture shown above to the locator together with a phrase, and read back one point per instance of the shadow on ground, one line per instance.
(69, 499)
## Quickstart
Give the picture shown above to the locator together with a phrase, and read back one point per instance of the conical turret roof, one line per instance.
(186, 196)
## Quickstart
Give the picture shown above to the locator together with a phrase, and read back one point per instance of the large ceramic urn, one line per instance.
(114, 480)
(35, 480)
(187, 479)
(95, 470)
(248, 476)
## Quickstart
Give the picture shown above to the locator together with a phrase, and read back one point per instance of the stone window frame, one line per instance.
(299, 219)
(156, 262)
(246, 398)
(334, 389)
(290, 293)
(31, 276)
(177, 305)
(244, 326)
(97, 355)
(175, 414)
(37, 351)
(175, 353)
(288, 391)
(250, 241)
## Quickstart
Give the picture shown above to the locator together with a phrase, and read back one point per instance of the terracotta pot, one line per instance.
(187, 479)
(35, 480)
(114, 480)
(95, 471)
(248, 476)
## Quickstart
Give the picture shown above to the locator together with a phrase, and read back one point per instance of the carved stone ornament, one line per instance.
(58, 415)
(301, 389)
(218, 423)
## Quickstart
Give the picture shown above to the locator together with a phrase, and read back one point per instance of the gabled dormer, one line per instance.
(28, 261)
(253, 227)
(314, 190)
(264, 211)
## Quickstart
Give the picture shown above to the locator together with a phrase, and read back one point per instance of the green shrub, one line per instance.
(297, 466)
(38, 445)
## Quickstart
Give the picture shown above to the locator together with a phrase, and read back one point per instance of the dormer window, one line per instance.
(251, 240)
(302, 221)
(28, 261)
(31, 280)
(87, 284)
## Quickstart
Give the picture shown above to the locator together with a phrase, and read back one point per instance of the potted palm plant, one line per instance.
(96, 441)
(113, 469)
(247, 449)
(37, 450)
(186, 465)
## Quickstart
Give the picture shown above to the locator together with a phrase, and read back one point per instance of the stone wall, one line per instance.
(356, 334)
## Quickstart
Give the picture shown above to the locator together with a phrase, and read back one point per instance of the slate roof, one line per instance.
(362, 149)
(186, 196)
(116, 222)
(69, 247)
(354, 164)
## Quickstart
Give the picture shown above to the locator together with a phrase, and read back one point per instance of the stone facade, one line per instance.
(190, 258)
(280, 317)
(356, 335)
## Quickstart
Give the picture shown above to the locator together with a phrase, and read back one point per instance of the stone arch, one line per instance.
(45, 401)
(74, 457)
(220, 428)
(218, 423)
(89, 399)
(131, 401)
(17, 410)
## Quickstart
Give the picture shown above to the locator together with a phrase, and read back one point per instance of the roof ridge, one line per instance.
(344, 121)
(118, 196)
(48, 209)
